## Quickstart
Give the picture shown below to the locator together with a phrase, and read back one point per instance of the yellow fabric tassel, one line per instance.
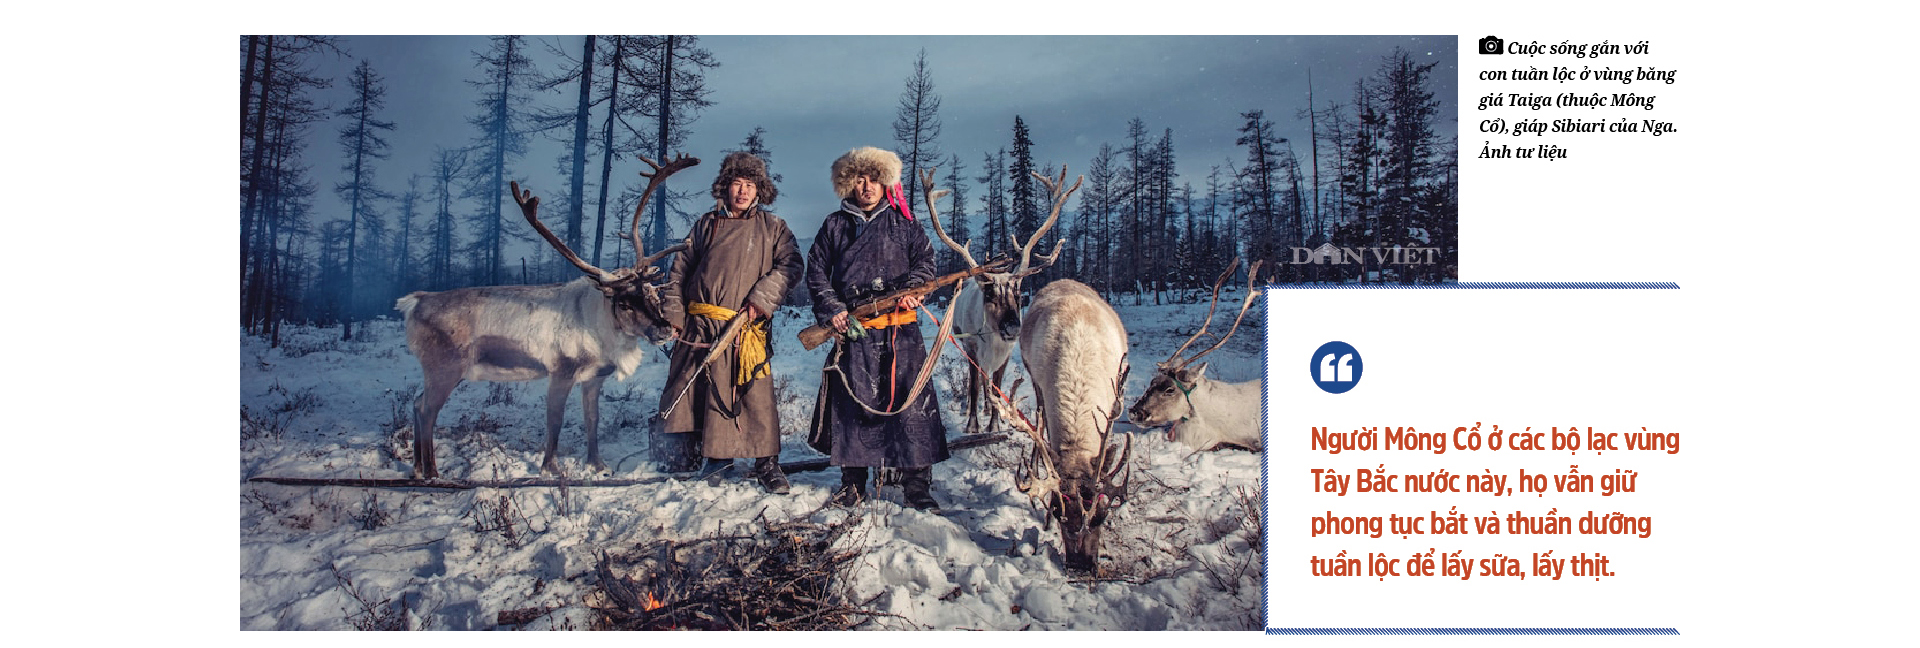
(752, 359)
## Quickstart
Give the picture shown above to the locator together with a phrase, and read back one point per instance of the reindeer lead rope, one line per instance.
(1185, 392)
(926, 366)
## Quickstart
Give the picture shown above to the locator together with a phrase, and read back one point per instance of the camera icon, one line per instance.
(1492, 45)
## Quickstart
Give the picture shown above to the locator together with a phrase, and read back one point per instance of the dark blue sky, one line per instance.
(818, 96)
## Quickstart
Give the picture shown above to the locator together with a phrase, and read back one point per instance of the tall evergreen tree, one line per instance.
(1220, 246)
(1164, 259)
(1097, 199)
(956, 213)
(1260, 185)
(1026, 211)
(995, 178)
(1133, 196)
(361, 142)
(916, 126)
(756, 144)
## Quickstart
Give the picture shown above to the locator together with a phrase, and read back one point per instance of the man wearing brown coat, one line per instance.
(740, 261)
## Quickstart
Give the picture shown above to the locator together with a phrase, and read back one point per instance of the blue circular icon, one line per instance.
(1335, 367)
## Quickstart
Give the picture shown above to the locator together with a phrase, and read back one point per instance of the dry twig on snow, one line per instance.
(781, 576)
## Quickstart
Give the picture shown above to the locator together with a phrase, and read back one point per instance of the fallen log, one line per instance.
(805, 465)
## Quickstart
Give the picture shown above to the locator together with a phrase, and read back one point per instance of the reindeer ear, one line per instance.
(1193, 375)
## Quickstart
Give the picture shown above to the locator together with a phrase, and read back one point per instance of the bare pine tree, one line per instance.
(916, 127)
(449, 165)
(507, 75)
(276, 106)
(362, 143)
(677, 84)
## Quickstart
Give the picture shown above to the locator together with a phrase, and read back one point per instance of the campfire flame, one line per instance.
(652, 603)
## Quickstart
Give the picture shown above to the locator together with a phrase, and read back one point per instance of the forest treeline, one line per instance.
(1372, 182)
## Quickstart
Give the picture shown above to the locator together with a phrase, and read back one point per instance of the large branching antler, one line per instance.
(1109, 466)
(1175, 363)
(1053, 216)
(654, 180)
(530, 207)
(617, 280)
(927, 187)
(1028, 480)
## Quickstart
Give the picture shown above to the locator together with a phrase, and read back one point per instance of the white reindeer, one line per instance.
(988, 320)
(1203, 413)
(1075, 350)
(578, 332)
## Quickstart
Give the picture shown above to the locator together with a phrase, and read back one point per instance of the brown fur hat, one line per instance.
(741, 164)
(865, 161)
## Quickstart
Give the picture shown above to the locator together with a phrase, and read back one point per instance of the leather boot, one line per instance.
(767, 470)
(918, 484)
(853, 486)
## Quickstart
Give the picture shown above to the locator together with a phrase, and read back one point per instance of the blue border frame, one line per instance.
(1266, 535)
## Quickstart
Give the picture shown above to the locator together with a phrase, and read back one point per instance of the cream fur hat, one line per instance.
(867, 161)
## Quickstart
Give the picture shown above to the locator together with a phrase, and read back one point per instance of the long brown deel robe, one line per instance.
(730, 262)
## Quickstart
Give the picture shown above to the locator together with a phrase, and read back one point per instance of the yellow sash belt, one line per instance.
(895, 318)
(753, 341)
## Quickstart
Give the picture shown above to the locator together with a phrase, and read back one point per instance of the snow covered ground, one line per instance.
(1182, 554)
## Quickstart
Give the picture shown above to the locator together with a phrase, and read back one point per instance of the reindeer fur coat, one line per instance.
(848, 255)
(730, 262)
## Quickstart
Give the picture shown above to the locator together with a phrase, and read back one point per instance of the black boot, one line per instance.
(853, 486)
(918, 484)
(767, 470)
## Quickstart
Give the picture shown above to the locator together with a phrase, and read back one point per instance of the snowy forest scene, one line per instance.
(1164, 180)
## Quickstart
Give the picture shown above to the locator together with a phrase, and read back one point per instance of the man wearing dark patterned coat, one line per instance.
(740, 260)
(869, 247)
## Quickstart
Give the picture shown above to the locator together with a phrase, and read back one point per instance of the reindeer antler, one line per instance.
(1042, 458)
(1174, 363)
(926, 183)
(654, 180)
(1059, 200)
(530, 207)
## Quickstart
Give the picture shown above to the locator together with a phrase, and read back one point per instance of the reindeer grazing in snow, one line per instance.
(577, 332)
(988, 320)
(1205, 414)
(1075, 350)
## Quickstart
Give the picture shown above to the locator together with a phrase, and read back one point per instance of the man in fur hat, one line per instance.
(740, 260)
(869, 247)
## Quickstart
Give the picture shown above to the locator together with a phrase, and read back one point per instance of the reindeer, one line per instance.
(1075, 350)
(989, 319)
(1202, 413)
(578, 332)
